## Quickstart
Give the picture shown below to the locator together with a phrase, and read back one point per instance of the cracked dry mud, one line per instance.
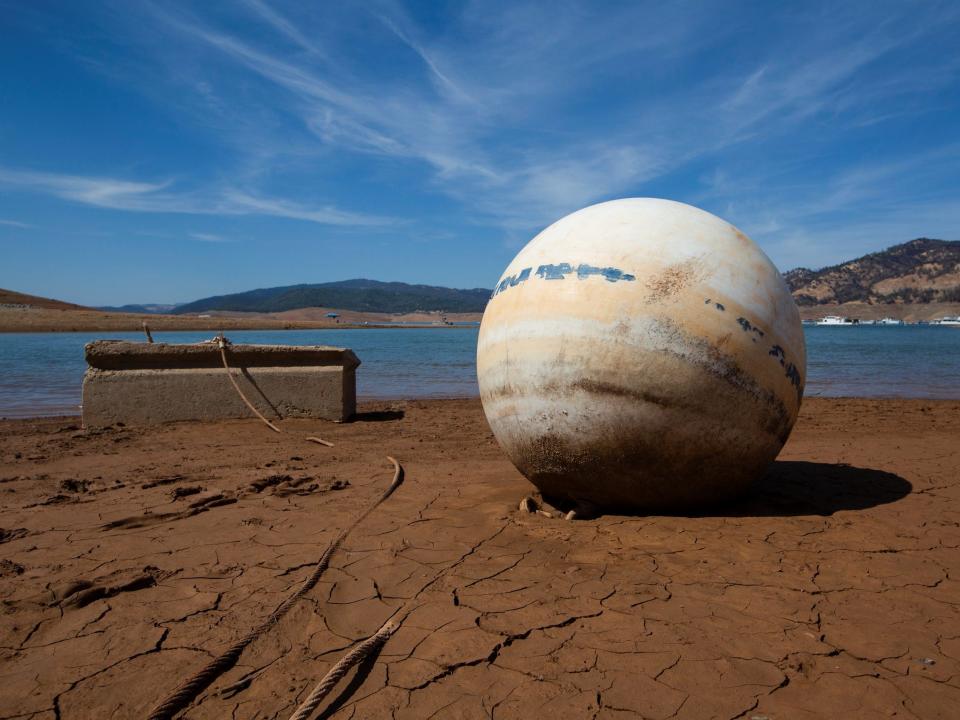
(130, 556)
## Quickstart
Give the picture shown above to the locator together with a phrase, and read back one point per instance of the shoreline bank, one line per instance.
(53, 320)
(75, 319)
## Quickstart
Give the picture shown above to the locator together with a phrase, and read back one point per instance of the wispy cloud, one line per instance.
(510, 118)
(16, 224)
(102, 192)
(281, 24)
(161, 197)
(828, 241)
(443, 80)
(242, 203)
(489, 78)
(449, 130)
(209, 237)
(834, 216)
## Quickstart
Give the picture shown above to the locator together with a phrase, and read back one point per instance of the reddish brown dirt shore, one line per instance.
(129, 556)
(17, 320)
(29, 313)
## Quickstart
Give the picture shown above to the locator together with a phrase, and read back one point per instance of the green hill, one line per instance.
(358, 295)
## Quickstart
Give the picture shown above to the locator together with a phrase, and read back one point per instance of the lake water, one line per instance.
(40, 373)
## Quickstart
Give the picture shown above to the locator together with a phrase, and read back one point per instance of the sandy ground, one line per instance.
(319, 314)
(60, 320)
(37, 319)
(34, 319)
(129, 556)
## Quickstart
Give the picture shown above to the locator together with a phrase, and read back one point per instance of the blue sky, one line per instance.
(163, 151)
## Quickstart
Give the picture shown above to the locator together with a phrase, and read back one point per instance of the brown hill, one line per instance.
(920, 271)
(12, 299)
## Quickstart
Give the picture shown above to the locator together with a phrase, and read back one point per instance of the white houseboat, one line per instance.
(834, 320)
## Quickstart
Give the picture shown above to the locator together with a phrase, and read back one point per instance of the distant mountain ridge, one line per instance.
(919, 271)
(359, 295)
(148, 309)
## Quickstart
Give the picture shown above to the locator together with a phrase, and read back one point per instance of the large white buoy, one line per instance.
(641, 354)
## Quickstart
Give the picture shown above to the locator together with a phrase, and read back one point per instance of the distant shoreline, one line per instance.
(908, 312)
(34, 319)
(218, 328)
(48, 320)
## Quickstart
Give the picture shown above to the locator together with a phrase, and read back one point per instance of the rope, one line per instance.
(189, 689)
(366, 649)
(222, 344)
(361, 652)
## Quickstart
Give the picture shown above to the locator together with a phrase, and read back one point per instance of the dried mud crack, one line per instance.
(831, 590)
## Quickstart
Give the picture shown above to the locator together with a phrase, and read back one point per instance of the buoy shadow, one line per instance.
(798, 487)
(788, 488)
(378, 416)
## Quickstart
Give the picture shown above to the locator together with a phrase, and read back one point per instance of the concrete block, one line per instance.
(151, 383)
